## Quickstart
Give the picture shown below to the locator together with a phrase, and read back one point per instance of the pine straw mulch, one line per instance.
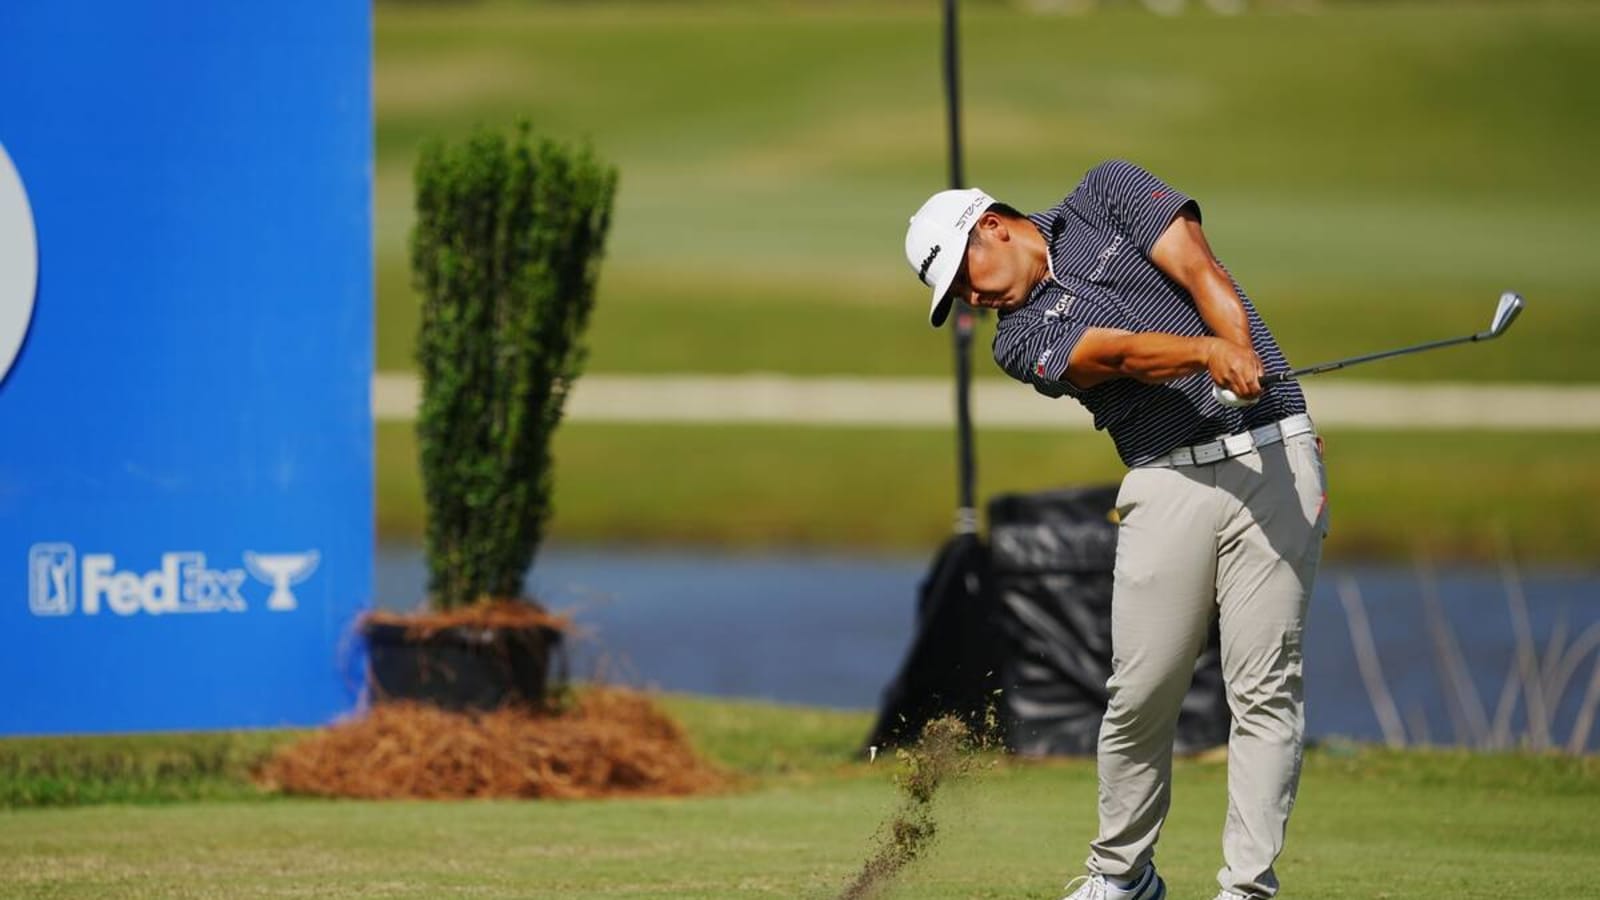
(488, 613)
(609, 742)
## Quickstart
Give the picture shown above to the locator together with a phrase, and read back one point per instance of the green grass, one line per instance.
(1393, 495)
(136, 768)
(1374, 173)
(743, 736)
(1370, 823)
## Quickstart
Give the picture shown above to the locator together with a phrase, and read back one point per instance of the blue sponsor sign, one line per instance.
(186, 355)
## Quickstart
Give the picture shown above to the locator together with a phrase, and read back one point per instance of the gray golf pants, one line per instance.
(1239, 539)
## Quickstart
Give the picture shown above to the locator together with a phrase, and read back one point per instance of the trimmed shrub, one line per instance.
(505, 253)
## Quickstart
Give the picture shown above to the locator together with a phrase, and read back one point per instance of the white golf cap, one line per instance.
(936, 242)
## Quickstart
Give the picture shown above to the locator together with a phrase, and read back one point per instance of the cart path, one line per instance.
(929, 403)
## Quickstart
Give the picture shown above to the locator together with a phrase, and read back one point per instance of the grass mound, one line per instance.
(609, 742)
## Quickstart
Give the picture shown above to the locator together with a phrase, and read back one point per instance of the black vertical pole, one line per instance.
(966, 511)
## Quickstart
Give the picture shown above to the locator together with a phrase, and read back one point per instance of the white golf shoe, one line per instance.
(1229, 895)
(1097, 887)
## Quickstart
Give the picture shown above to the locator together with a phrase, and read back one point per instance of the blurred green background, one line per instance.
(1374, 173)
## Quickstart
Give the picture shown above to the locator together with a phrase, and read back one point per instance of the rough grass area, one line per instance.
(1370, 823)
(138, 768)
(1445, 494)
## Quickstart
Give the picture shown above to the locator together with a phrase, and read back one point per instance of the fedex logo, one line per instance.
(182, 583)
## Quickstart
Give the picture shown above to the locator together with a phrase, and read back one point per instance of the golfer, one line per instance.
(1112, 297)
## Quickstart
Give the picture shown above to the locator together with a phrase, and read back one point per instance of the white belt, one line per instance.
(1236, 444)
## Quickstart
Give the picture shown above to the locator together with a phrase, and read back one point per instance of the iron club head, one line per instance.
(1511, 304)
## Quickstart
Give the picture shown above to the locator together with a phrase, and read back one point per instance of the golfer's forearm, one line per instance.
(1158, 357)
(1150, 356)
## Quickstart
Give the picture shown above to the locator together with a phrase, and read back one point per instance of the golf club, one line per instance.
(1510, 307)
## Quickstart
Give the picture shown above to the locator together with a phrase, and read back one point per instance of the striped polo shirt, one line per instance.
(1101, 276)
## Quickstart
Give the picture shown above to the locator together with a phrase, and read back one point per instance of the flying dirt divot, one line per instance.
(944, 754)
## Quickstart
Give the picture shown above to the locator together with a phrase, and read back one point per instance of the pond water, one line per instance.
(832, 630)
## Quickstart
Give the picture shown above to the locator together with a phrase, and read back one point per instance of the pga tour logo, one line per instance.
(183, 583)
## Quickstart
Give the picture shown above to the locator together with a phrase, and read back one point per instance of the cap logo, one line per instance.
(972, 208)
(922, 273)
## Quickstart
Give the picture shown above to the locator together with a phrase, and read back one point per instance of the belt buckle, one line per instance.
(1209, 452)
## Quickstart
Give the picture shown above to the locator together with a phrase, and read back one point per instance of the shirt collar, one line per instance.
(1050, 223)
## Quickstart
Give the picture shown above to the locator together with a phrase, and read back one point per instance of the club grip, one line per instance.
(1234, 401)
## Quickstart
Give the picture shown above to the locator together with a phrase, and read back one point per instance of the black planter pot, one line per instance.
(461, 668)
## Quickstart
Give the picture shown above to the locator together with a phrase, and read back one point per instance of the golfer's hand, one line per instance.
(1234, 367)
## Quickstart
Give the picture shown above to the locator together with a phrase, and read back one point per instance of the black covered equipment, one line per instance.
(953, 665)
(1019, 631)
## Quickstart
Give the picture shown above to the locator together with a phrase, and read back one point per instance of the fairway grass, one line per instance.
(1375, 174)
(1443, 494)
(1370, 824)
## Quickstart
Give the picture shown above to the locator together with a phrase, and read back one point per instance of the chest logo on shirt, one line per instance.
(1103, 261)
(1062, 307)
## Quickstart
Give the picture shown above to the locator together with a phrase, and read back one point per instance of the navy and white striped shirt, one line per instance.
(1099, 240)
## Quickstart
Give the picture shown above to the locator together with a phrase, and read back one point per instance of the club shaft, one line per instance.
(1275, 377)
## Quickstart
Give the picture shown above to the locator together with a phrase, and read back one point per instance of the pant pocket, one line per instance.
(1127, 501)
(1311, 482)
